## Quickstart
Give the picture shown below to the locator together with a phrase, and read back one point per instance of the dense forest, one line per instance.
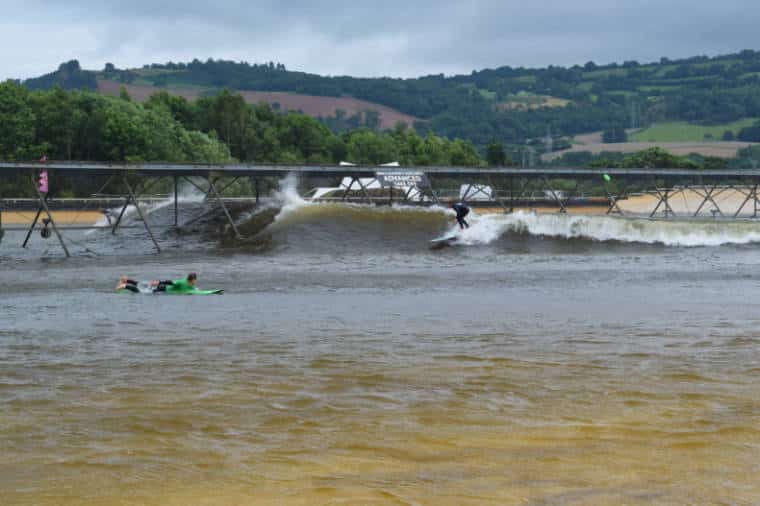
(82, 125)
(511, 105)
(72, 125)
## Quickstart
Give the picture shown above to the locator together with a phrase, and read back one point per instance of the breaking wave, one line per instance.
(417, 225)
(488, 228)
(289, 220)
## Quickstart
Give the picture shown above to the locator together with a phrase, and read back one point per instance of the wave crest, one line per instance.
(488, 228)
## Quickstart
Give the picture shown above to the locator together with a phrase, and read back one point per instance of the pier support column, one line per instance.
(129, 198)
(34, 223)
(433, 193)
(463, 198)
(524, 183)
(207, 192)
(176, 206)
(224, 208)
(203, 214)
(44, 207)
(408, 192)
(350, 185)
(234, 180)
(140, 213)
(495, 195)
(707, 196)
(613, 200)
(256, 185)
(556, 197)
(364, 191)
(751, 195)
(664, 195)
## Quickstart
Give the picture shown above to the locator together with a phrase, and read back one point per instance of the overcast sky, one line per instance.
(383, 37)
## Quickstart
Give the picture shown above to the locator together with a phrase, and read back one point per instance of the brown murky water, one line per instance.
(523, 369)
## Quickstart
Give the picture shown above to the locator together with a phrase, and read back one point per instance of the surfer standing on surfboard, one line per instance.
(462, 211)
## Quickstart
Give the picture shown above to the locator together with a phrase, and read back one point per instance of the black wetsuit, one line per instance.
(161, 286)
(131, 285)
(462, 211)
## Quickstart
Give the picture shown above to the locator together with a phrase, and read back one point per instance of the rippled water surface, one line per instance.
(349, 364)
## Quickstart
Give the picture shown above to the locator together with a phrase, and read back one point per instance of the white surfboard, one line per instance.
(444, 240)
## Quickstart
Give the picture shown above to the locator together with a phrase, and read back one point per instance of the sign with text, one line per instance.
(402, 179)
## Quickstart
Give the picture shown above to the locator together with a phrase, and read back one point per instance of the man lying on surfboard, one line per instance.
(462, 211)
(183, 285)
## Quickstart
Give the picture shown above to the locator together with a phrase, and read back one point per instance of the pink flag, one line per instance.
(43, 181)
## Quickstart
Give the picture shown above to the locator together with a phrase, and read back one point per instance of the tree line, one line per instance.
(81, 125)
(747, 158)
(77, 125)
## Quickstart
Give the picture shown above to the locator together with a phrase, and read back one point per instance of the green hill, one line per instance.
(680, 131)
(512, 105)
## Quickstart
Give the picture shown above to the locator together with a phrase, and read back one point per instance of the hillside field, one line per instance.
(681, 131)
(677, 137)
(317, 106)
(694, 100)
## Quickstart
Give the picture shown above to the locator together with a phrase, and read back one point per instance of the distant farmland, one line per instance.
(718, 149)
(525, 102)
(312, 105)
(679, 138)
(681, 131)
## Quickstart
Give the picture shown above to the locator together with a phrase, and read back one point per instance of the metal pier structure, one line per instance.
(509, 187)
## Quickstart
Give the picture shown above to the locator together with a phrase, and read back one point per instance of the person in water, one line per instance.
(180, 285)
(462, 211)
(127, 284)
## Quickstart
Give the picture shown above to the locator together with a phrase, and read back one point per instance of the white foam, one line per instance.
(488, 228)
(187, 194)
(288, 196)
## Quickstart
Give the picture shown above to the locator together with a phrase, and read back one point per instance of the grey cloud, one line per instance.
(398, 38)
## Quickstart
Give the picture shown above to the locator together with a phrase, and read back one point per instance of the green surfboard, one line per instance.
(186, 292)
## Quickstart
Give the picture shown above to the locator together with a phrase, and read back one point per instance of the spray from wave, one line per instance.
(292, 205)
(288, 197)
(187, 194)
(488, 228)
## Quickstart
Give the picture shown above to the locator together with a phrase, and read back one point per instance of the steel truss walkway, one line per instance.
(132, 180)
